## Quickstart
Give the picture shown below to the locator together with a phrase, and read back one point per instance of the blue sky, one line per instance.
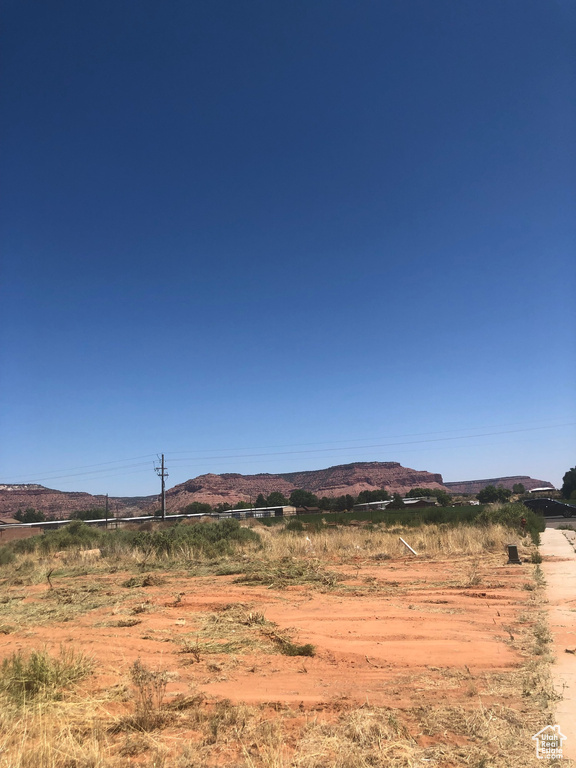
(272, 236)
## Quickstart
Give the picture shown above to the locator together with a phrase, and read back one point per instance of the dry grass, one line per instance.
(287, 558)
(40, 675)
(222, 734)
(251, 632)
(345, 543)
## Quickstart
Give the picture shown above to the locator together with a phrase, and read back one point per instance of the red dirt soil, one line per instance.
(397, 634)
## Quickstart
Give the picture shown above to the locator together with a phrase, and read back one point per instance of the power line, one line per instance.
(236, 462)
(363, 439)
(88, 466)
(84, 474)
(49, 476)
(373, 445)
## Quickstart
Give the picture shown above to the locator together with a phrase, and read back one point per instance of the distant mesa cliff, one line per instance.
(334, 481)
(231, 488)
(475, 486)
(60, 504)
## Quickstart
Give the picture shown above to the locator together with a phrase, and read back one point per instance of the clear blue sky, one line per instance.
(272, 236)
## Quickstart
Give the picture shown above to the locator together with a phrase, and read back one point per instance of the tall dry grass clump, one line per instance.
(343, 542)
(40, 675)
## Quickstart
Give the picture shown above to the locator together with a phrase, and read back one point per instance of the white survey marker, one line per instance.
(408, 545)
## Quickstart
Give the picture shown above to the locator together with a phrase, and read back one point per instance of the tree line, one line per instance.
(301, 498)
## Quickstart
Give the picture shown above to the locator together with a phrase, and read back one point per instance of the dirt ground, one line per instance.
(409, 634)
(389, 637)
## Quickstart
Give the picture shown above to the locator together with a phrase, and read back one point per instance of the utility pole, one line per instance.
(106, 511)
(161, 472)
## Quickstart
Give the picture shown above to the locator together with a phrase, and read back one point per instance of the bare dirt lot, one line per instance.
(362, 660)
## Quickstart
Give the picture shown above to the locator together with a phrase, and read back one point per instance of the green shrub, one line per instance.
(75, 534)
(510, 515)
(211, 539)
(38, 674)
(294, 525)
(6, 556)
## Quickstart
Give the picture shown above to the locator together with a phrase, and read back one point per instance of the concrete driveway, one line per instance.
(559, 569)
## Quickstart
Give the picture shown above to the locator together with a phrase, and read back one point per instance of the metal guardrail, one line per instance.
(237, 514)
(241, 514)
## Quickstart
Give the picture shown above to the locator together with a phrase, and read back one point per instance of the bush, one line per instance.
(40, 675)
(6, 556)
(510, 515)
(294, 525)
(150, 689)
(212, 539)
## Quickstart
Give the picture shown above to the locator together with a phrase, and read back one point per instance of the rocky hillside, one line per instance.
(60, 504)
(231, 488)
(475, 486)
(334, 481)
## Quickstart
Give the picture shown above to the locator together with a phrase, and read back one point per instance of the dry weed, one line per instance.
(383, 543)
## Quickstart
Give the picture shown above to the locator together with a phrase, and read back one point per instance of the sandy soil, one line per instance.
(397, 633)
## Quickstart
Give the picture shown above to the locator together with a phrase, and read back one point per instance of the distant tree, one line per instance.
(325, 503)
(88, 514)
(276, 499)
(491, 494)
(518, 488)
(443, 498)
(397, 502)
(260, 500)
(242, 505)
(569, 483)
(224, 506)
(300, 498)
(365, 497)
(488, 495)
(30, 515)
(197, 508)
(415, 493)
(338, 504)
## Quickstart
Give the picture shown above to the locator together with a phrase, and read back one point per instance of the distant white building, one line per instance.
(281, 511)
(420, 501)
